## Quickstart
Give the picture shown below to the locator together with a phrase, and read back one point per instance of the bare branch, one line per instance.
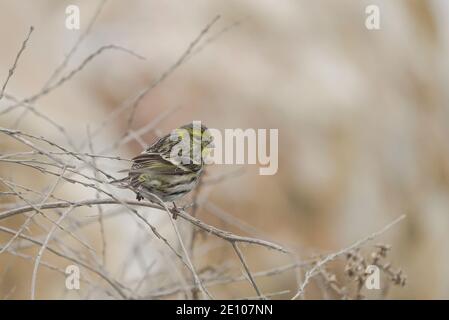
(315, 269)
(41, 251)
(75, 47)
(114, 284)
(248, 272)
(210, 229)
(13, 68)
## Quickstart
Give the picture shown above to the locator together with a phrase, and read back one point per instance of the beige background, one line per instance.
(362, 117)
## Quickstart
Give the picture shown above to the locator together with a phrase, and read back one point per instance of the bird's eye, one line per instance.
(209, 141)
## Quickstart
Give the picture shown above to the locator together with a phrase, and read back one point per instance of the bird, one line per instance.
(170, 167)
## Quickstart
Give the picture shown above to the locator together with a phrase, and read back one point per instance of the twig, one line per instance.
(24, 225)
(248, 272)
(75, 47)
(42, 249)
(116, 286)
(13, 68)
(197, 279)
(313, 271)
(97, 196)
(210, 229)
(162, 292)
(181, 59)
(71, 74)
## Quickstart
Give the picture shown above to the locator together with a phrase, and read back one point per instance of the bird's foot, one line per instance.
(139, 196)
(175, 211)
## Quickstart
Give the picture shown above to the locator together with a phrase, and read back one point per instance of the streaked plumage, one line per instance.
(156, 172)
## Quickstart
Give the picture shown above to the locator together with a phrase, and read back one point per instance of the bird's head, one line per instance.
(198, 132)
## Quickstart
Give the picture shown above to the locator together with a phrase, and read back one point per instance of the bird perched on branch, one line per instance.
(170, 167)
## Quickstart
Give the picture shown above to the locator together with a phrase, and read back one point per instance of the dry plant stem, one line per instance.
(197, 279)
(267, 295)
(15, 134)
(169, 71)
(97, 196)
(315, 269)
(28, 163)
(178, 273)
(23, 246)
(232, 220)
(181, 242)
(330, 282)
(13, 68)
(153, 229)
(42, 249)
(72, 51)
(18, 135)
(43, 263)
(66, 60)
(167, 291)
(142, 280)
(134, 101)
(248, 272)
(33, 109)
(83, 64)
(71, 74)
(217, 35)
(193, 213)
(114, 284)
(129, 135)
(157, 234)
(90, 185)
(70, 153)
(37, 210)
(58, 160)
(47, 217)
(24, 225)
(210, 229)
(197, 222)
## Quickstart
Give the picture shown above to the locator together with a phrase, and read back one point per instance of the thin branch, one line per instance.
(134, 101)
(71, 74)
(13, 68)
(248, 272)
(114, 284)
(164, 291)
(75, 47)
(42, 249)
(181, 242)
(97, 196)
(210, 229)
(315, 269)
(25, 224)
(181, 59)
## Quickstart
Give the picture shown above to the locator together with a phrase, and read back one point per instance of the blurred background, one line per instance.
(363, 119)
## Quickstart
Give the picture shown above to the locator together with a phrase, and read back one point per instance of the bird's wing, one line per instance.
(163, 148)
(156, 163)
